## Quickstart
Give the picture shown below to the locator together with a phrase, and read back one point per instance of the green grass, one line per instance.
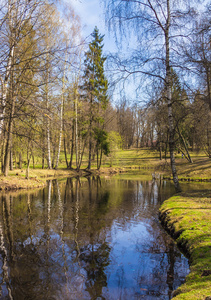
(143, 162)
(188, 218)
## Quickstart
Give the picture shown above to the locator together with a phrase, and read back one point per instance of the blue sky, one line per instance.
(91, 13)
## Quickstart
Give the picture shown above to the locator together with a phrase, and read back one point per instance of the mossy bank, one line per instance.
(187, 217)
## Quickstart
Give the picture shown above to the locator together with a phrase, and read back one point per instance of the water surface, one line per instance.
(88, 239)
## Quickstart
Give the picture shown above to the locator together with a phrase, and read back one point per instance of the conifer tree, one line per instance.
(95, 86)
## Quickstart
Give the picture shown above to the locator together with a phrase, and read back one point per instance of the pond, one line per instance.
(88, 238)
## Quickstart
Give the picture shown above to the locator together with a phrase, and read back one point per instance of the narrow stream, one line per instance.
(88, 239)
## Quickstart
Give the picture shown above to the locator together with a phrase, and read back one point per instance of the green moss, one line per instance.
(188, 217)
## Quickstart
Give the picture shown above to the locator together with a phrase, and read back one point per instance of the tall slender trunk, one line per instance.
(72, 145)
(65, 151)
(61, 113)
(90, 146)
(5, 90)
(90, 134)
(43, 147)
(169, 102)
(20, 160)
(47, 107)
(97, 150)
(101, 155)
(11, 155)
(15, 160)
(76, 130)
(160, 147)
(49, 144)
(11, 159)
(43, 159)
(5, 83)
(9, 138)
(28, 163)
(185, 146)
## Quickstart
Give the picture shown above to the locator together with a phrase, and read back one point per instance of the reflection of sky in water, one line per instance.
(135, 270)
(102, 240)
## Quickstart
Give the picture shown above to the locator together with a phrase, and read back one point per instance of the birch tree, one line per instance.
(18, 20)
(156, 26)
(73, 44)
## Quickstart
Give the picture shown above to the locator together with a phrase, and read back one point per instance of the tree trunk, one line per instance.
(76, 130)
(90, 149)
(160, 149)
(49, 144)
(61, 114)
(28, 162)
(65, 151)
(47, 107)
(20, 160)
(169, 102)
(6, 80)
(33, 161)
(15, 160)
(11, 160)
(81, 155)
(90, 135)
(97, 150)
(9, 138)
(72, 146)
(43, 159)
(184, 143)
(166, 144)
(101, 154)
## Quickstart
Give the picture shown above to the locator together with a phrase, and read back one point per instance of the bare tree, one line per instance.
(197, 55)
(156, 27)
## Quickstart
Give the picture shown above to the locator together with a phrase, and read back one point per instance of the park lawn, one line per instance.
(132, 163)
(37, 178)
(187, 217)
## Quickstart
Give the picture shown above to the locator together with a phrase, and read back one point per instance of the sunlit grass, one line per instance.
(188, 217)
(140, 162)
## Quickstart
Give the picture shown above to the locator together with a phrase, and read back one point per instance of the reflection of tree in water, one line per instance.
(95, 259)
(60, 238)
(164, 274)
(5, 255)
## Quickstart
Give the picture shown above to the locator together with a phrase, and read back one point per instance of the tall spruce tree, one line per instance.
(95, 86)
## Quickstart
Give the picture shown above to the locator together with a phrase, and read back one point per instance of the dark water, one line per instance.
(88, 239)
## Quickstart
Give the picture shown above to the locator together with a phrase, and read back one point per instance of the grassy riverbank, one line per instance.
(187, 217)
(134, 163)
(37, 177)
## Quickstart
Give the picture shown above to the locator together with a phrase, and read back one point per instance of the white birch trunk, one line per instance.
(169, 102)
(61, 114)
(48, 118)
